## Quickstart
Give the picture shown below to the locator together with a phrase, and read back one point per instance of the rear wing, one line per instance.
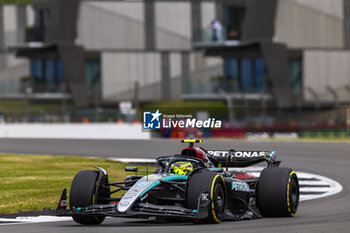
(233, 158)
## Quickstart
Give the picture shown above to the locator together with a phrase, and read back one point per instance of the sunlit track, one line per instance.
(329, 160)
(311, 187)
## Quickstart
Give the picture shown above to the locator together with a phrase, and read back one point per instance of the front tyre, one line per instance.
(277, 192)
(213, 184)
(82, 194)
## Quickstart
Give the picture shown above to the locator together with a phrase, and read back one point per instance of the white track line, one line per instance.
(334, 187)
(38, 219)
(315, 189)
(312, 182)
(129, 160)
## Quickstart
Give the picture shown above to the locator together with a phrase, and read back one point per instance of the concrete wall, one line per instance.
(121, 70)
(11, 67)
(175, 62)
(111, 25)
(332, 8)
(30, 15)
(116, 29)
(173, 25)
(322, 68)
(74, 131)
(310, 23)
(107, 25)
(208, 13)
(10, 23)
(10, 20)
(15, 68)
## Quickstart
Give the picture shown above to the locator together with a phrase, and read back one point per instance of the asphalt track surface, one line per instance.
(329, 214)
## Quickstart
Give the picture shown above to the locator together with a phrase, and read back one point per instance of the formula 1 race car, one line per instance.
(195, 185)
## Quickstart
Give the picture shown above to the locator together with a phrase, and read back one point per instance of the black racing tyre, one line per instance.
(82, 193)
(277, 192)
(213, 184)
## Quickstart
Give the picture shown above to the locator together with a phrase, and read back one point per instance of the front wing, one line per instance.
(141, 210)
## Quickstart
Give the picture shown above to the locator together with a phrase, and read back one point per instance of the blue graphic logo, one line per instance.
(151, 120)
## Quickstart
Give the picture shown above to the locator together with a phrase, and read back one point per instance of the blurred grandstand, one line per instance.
(273, 66)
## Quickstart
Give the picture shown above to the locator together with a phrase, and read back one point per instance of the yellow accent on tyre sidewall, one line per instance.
(212, 197)
(288, 200)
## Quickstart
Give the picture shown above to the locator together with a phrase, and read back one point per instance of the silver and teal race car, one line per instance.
(195, 185)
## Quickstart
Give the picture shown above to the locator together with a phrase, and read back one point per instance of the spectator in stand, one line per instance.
(216, 28)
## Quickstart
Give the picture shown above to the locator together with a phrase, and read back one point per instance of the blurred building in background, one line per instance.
(280, 52)
(14, 20)
(292, 51)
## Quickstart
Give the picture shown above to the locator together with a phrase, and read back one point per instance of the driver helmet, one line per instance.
(182, 167)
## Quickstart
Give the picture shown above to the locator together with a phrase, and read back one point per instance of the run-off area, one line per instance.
(312, 186)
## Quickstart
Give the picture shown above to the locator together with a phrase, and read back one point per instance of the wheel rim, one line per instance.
(294, 195)
(219, 200)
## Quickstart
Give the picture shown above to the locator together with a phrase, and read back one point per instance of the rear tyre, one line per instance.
(278, 192)
(82, 194)
(213, 184)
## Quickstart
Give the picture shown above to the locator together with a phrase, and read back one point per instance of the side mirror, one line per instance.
(131, 169)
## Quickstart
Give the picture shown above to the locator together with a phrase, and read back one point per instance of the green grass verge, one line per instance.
(35, 182)
(20, 107)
